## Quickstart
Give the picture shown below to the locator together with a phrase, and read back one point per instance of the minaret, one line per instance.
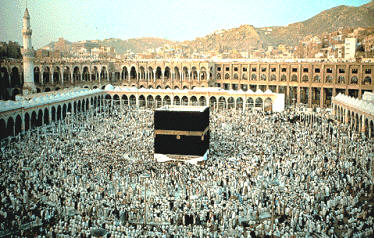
(28, 56)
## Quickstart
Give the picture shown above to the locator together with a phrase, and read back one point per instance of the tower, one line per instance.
(28, 56)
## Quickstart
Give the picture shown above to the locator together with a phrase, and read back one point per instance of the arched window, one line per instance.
(367, 80)
(341, 79)
(254, 77)
(294, 78)
(283, 78)
(354, 80)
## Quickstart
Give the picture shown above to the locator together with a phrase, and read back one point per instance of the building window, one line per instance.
(341, 71)
(305, 70)
(294, 70)
(227, 68)
(273, 70)
(329, 70)
(218, 68)
(244, 69)
(354, 71)
(317, 70)
(236, 69)
(284, 69)
(254, 69)
(263, 69)
(367, 71)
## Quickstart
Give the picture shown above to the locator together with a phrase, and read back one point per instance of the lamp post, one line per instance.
(145, 176)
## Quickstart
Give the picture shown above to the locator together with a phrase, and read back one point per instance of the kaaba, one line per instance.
(181, 130)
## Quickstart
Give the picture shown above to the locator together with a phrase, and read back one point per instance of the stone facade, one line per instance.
(309, 83)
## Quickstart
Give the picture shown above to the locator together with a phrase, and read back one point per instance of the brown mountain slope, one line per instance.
(326, 21)
(244, 37)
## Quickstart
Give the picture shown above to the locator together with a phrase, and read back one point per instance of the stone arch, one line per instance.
(15, 78)
(150, 101)
(236, 76)
(59, 110)
(104, 73)
(194, 73)
(142, 73)
(176, 74)
(193, 101)
(273, 77)
(166, 100)
(133, 74)
(253, 77)
(76, 74)
(354, 80)
(158, 101)
(18, 125)
(66, 75)
(328, 79)
(244, 76)
(203, 74)
(150, 73)
(34, 120)
(158, 73)
(124, 73)
(10, 127)
(4, 84)
(259, 102)
(227, 76)
(341, 79)
(116, 100)
(213, 102)
(294, 78)
(132, 100)
(167, 73)
(268, 105)
(305, 78)
(176, 101)
(125, 100)
(46, 116)
(230, 103)
(263, 77)
(221, 102)
(218, 76)
(184, 101)
(86, 74)
(186, 75)
(37, 75)
(283, 78)
(202, 101)
(367, 80)
(142, 102)
(249, 103)
(317, 79)
(27, 121)
(239, 103)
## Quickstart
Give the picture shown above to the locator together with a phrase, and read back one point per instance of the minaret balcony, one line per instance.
(27, 32)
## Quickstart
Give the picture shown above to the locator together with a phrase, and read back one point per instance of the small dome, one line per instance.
(109, 87)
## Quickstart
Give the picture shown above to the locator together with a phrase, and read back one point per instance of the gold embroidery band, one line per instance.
(182, 133)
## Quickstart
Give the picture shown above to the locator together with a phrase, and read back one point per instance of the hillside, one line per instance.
(244, 37)
(247, 37)
(136, 45)
(327, 21)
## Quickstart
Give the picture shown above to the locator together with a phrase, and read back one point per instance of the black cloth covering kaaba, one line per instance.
(177, 130)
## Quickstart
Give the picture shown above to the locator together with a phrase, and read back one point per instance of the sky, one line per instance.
(76, 20)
